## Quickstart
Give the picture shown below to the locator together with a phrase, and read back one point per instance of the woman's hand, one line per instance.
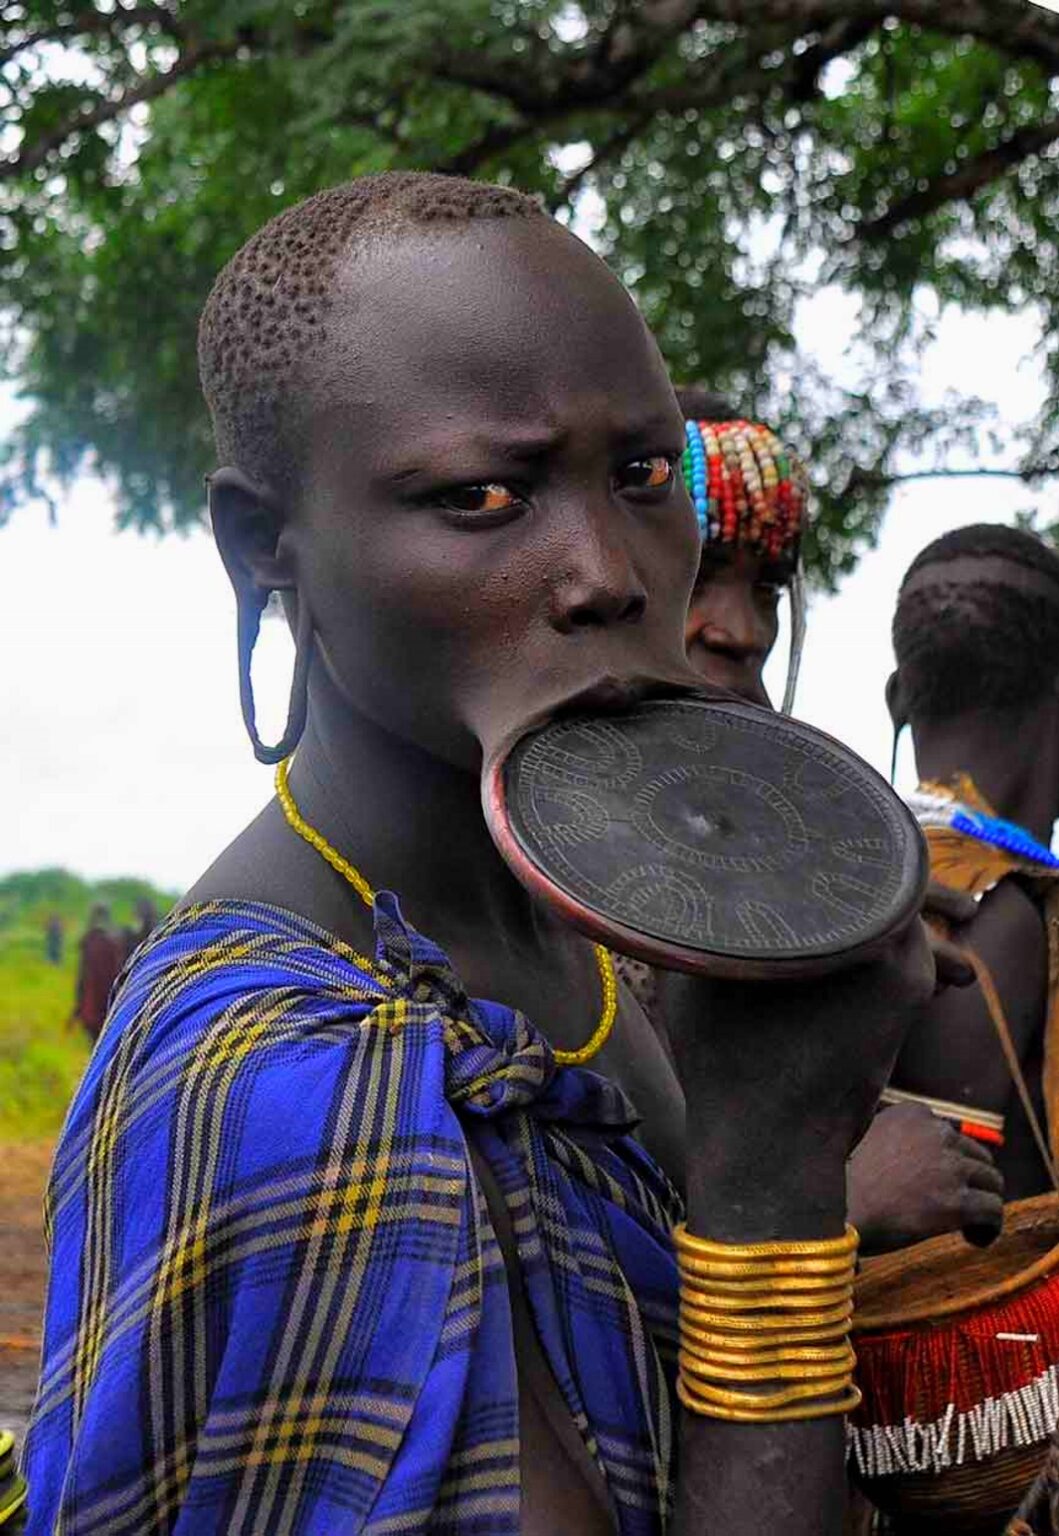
(781, 1081)
(914, 1176)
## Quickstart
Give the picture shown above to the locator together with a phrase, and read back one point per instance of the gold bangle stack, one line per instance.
(766, 1313)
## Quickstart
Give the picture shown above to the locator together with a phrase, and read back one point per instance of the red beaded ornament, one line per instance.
(747, 489)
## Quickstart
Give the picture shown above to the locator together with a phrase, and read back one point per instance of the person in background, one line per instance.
(1038, 1515)
(976, 641)
(976, 638)
(132, 936)
(99, 962)
(54, 935)
(752, 499)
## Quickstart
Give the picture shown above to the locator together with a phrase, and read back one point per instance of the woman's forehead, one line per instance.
(742, 563)
(518, 315)
(981, 570)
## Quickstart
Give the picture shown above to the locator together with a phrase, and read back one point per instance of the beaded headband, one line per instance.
(746, 487)
(749, 491)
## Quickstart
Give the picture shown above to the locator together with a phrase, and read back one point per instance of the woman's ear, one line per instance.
(247, 522)
(247, 525)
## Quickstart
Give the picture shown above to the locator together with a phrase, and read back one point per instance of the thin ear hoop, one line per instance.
(250, 608)
(899, 726)
(794, 665)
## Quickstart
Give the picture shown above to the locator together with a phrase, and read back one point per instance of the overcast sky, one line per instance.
(121, 745)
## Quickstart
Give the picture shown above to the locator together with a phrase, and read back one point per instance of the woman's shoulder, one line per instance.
(249, 1030)
(266, 866)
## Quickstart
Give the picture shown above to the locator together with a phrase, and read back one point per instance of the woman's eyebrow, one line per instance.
(649, 428)
(520, 447)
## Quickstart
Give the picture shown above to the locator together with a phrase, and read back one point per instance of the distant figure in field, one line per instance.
(54, 935)
(101, 960)
(134, 934)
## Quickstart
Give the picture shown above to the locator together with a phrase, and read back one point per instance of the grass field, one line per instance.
(41, 1056)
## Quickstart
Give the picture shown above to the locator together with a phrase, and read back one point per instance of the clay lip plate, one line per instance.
(708, 837)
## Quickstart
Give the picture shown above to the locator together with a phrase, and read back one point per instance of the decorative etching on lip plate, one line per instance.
(713, 827)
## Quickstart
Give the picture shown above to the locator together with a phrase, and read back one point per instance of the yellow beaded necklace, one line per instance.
(353, 876)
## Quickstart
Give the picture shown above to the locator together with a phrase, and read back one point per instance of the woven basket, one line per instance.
(980, 1407)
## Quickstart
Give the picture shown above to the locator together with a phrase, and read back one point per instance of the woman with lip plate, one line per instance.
(344, 1237)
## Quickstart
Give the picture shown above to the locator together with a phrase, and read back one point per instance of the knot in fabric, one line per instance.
(496, 1059)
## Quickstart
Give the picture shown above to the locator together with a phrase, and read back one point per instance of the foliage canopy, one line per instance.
(736, 155)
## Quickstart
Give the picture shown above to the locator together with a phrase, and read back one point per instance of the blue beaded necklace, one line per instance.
(1003, 834)
(934, 810)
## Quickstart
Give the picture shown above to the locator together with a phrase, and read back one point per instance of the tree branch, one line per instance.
(494, 141)
(493, 77)
(95, 22)
(638, 36)
(740, 66)
(877, 480)
(972, 176)
(628, 48)
(1012, 27)
(32, 155)
(641, 33)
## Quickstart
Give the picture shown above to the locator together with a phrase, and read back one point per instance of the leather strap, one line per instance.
(1011, 1056)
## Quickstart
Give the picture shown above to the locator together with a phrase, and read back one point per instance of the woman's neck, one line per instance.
(1011, 755)
(408, 821)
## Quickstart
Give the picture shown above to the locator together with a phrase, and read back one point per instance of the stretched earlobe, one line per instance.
(249, 625)
(247, 524)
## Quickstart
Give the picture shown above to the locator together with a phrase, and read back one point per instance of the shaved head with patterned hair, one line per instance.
(977, 622)
(264, 321)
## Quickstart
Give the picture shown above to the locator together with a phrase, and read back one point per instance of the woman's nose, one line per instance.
(729, 626)
(599, 588)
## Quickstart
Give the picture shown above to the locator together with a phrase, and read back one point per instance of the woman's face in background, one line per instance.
(733, 618)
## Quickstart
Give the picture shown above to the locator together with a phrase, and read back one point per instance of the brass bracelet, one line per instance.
(784, 1301)
(762, 1402)
(693, 1364)
(764, 1328)
(798, 1248)
(702, 1317)
(753, 1341)
(740, 1360)
(812, 1353)
(802, 1411)
(755, 1285)
(766, 1269)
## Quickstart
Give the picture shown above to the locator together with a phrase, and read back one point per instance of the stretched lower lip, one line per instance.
(614, 695)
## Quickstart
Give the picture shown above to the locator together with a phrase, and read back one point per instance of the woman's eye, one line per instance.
(769, 590)
(653, 474)
(490, 497)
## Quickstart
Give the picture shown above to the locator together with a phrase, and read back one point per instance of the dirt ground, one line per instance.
(23, 1174)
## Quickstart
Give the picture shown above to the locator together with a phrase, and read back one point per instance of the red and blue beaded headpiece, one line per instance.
(746, 487)
(749, 492)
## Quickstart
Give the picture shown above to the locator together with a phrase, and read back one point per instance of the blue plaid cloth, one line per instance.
(277, 1303)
